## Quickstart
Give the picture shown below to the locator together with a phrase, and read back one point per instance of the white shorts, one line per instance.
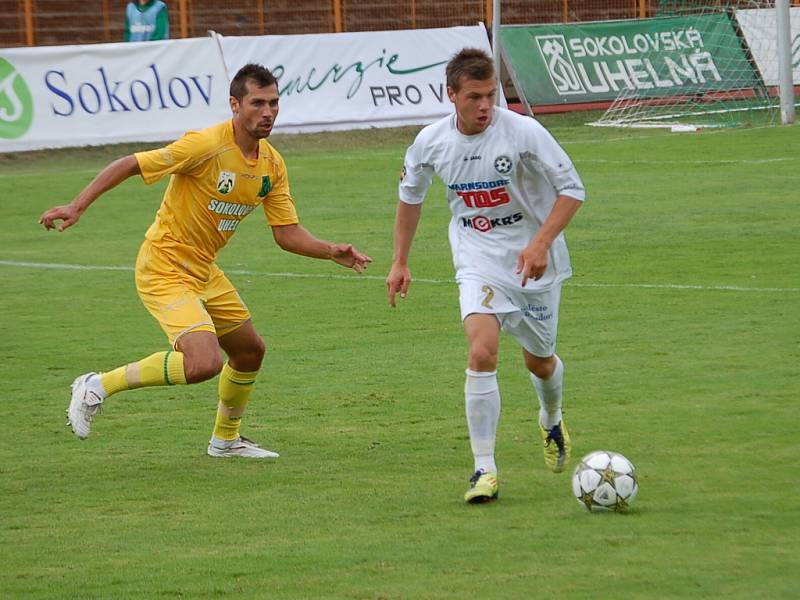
(531, 317)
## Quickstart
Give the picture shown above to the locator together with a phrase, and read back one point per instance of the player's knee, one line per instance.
(259, 349)
(255, 353)
(482, 358)
(541, 367)
(248, 357)
(202, 368)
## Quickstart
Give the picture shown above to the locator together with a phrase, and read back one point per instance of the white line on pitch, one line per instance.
(744, 161)
(663, 134)
(245, 272)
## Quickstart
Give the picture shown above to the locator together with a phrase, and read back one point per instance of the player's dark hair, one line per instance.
(470, 63)
(259, 75)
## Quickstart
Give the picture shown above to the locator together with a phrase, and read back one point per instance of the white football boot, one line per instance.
(241, 446)
(83, 406)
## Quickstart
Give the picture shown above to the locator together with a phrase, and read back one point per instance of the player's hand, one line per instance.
(347, 256)
(67, 214)
(532, 262)
(397, 282)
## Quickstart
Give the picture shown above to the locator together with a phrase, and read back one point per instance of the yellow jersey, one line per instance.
(212, 188)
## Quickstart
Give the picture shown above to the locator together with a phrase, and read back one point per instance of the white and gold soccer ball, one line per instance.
(605, 481)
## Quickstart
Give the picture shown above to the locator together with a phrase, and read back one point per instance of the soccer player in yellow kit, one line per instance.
(217, 177)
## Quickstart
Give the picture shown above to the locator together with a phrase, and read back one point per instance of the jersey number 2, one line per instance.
(487, 299)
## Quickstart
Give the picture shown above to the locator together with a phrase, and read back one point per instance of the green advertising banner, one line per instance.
(590, 62)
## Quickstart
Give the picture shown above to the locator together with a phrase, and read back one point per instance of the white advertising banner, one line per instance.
(356, 80)
(59, 96)
(760, 31)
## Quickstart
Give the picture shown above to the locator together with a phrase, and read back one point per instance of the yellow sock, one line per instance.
(235, 388)
(161, 368)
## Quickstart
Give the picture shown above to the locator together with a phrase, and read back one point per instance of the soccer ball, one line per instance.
(605, 481)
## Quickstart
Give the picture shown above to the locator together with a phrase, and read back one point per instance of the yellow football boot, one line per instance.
(483, 488)
(556, 447)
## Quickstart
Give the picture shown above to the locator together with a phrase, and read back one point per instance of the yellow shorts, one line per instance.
(181, 302)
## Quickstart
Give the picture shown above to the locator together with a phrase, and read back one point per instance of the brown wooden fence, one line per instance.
(53, 22)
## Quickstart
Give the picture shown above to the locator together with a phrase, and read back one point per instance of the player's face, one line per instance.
(474, 101)
(257, 110)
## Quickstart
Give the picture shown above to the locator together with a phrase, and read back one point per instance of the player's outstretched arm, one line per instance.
(405, 226)
(298, 240)
(111, 176)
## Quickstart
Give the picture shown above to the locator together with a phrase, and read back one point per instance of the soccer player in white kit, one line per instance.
(512, 190)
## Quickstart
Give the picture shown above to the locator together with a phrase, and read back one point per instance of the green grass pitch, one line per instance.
(680, 334)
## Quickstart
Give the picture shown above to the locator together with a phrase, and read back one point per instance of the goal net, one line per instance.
(726, 76)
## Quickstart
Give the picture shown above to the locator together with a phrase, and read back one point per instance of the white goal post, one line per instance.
(785, 49)
(751, 77)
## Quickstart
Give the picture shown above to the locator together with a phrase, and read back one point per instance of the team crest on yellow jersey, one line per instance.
(225, 182)
(266, 186)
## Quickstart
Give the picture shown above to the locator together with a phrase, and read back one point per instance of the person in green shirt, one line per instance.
(146, 20)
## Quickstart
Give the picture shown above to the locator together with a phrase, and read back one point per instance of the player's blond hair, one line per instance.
(470, 63)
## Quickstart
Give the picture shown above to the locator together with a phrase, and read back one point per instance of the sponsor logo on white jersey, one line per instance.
(503, 164)
(482, 194)
(484, 224)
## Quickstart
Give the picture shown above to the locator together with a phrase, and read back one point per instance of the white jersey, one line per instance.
(501, 186)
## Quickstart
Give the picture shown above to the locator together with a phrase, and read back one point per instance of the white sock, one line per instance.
(482, 399)
(218, 443)
(549, 393)
(96, 385)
